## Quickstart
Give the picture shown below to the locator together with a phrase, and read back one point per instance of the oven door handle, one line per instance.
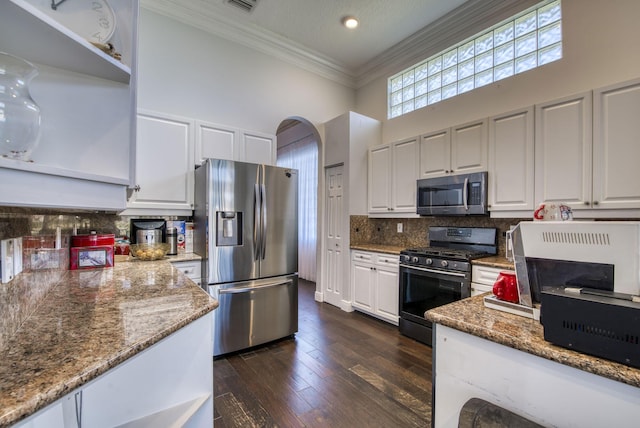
(433, 271)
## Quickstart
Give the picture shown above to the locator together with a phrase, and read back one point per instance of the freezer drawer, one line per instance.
(251, 313)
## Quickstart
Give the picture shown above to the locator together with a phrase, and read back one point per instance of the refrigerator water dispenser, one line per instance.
(228, 228)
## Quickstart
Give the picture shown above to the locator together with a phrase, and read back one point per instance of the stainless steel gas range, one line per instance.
(439, 274)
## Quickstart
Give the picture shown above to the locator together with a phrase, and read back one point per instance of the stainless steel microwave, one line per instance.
(462, 194)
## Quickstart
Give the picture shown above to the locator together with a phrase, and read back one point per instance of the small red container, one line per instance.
(91, 257)
(93, 240)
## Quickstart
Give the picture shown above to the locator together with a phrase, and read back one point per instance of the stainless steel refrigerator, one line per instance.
(246, 230)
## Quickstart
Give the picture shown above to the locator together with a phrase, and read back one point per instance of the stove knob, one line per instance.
(428, 262)
(415, 260)
(444, 263)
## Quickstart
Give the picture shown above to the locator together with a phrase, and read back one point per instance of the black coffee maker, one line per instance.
(147, 231)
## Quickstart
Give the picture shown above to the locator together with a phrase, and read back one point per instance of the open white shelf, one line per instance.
(36, 37)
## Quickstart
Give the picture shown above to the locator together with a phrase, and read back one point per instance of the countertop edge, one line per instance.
(378, 248)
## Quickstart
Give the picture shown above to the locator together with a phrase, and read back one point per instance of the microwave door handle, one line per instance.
(465, 194)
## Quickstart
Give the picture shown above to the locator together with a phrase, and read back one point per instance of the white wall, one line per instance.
(189, 72)
(600, 47)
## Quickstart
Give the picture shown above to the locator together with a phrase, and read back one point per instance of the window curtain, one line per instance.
(303, 156)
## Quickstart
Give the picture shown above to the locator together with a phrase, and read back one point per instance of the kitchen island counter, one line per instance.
(62, 329)
(524, 334)
(503, 358)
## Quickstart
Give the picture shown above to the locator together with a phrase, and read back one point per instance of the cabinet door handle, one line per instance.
(595, 202)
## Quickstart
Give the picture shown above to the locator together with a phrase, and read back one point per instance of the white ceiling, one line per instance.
(309, 32)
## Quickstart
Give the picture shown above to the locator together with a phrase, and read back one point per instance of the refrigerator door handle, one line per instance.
(263, 232)
(257, 231)
(236, 290)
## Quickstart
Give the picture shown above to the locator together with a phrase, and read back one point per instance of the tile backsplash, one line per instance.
(383, 231)
(16, 222)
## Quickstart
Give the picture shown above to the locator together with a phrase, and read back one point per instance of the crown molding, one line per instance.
(470, 18)
(254, 37)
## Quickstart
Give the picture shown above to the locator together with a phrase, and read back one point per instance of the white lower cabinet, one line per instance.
(191, 268)
(374, 283)
(483, 278)
(168, 384)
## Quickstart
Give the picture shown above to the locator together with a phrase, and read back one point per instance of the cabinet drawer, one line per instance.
(190, 268)
(359, 256)
(485, 275)
(387, 260)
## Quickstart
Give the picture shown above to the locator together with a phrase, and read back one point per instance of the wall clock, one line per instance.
(93, 20)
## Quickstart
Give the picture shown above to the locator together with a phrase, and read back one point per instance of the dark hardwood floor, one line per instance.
(340, 370)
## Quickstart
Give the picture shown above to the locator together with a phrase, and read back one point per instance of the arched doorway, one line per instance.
(299, 147)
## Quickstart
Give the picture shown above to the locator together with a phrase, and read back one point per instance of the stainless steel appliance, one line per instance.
(462, 194)
(439, 274)
(246, 230)
(586, 277)
(147, 231)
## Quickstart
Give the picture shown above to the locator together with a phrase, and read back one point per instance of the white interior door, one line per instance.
(333, 282)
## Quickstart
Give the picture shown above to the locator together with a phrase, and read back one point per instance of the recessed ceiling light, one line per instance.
(350, 22)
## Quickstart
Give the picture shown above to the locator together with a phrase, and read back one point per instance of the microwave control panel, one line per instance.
(475, 194)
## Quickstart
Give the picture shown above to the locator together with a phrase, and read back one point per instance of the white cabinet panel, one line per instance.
(511, 161)
(387, 288)
(164, 162)
(258, 148)
(362, 279)
(380, 179)
(393, 170)
(469, 147)
(435, 154)
(405, 173)
(483, 278)
(375, 284)
(616, 146)
(191, 268)
(563, 151)
(458, 150)
(215, 141)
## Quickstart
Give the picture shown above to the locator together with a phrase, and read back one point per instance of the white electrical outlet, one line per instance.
(399, 227)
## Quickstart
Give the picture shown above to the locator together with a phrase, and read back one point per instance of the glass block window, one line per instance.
(525, 41)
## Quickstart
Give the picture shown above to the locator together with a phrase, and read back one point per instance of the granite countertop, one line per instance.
(499, 262)
(524, 334)
(61, 329)
(378, 248)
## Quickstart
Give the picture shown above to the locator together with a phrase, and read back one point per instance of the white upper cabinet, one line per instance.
(616, 146)
(215, 141)
(393, 170)
(379, 185)
(469, 147)
(511, 161)
(458, 150)
(405, 173)
(563, 151)
(164, 163)
(225, 142)
(87, 100)
(435, 154)
(258, 148)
